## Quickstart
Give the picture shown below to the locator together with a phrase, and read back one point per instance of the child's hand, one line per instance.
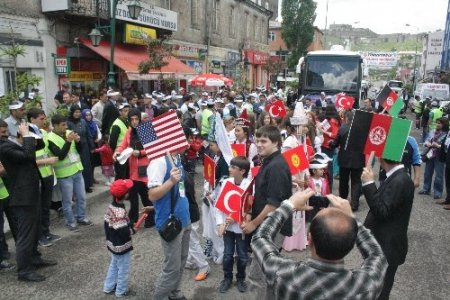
(221, 230)
(146, 210)
(229, 220)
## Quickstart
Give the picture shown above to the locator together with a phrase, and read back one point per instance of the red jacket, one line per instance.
(134, 162)
(333, 130)
(106, 154)
(194, 147)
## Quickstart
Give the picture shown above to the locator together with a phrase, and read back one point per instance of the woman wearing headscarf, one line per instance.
(77, 124)
(137, 163)
(96, 136)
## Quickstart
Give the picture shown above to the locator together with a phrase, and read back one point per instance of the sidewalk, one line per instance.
(100, 191)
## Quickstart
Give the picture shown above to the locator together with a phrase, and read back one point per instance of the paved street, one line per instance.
(83, 261)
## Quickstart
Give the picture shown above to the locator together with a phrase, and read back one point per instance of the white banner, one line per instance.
(150, 15)
(380, 59)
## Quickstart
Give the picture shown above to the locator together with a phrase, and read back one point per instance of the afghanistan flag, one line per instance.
(397, 107)
(387, 98)
(383, 134)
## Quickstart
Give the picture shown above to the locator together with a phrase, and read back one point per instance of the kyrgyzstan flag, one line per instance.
(276, 109)
(209, 170)
(296, 159)
(238, 150)
(229, 201)
(344, 101)
(383, 134)
(387, 98)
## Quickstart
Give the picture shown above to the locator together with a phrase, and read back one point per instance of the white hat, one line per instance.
(205, 94)
(148, 95)
(299, 117)
(322, 158)
(210, 102)
(192, 106)
(254, 95)
(238, 98)
(218, 100)
(203, 103)
(314, 164)
(15, 105)
(123, 105)
(112, 93)
(166, 98)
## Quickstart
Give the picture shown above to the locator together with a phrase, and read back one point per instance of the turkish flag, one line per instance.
(344, 101)
(209, 170)
(296, 159)
(377, 134)
(276, 109)
(247, 200)
(229, 201)
(238, 150)
(255, 171)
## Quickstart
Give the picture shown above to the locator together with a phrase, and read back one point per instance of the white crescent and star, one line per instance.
(339, 101)
(271, 112)
(226, 200)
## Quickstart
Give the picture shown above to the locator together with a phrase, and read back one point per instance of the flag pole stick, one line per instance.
(169, 156)
(370, 160)
(383, 111)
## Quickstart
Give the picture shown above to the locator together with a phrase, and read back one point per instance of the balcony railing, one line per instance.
(90, 8)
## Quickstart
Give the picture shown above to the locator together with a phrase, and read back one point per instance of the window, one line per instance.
(272, 36)
(215, 16)
(194, 14)
(255, 28)
(247, 25)
(264, 31)
(231, 23)
(10, 79)
(165, 4)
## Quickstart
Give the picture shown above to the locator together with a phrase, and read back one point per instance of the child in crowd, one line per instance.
(317, 182)
(191, 154)
(232, 232)
(118, 230)
(106, 156)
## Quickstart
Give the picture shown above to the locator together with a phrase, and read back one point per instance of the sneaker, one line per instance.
(190, 266)
(111, 291)
(202, 275)
(423, 192)
(72, 227)
(241, 286)
(225, 285)
(85, 222)
(6, 265)
(126, 294)
(53, 237)
(45, 242)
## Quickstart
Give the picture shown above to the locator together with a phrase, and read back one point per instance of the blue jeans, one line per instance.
(73, 185)
(437, 167)
(231, 242)
(118, 273)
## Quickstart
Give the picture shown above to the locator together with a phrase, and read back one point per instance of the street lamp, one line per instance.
(415, 56)
(134, 9)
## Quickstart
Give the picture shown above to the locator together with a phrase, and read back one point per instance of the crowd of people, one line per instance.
(89, 132)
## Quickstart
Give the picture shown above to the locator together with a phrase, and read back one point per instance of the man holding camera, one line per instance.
(333, 233)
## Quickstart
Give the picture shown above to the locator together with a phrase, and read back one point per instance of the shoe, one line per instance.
(111, 291)
(423, 192)
(149, 224)
(53, 237)
(178, 298)
(31, 277)
(437, 197)
(201, 276)
(45, 242)
(446, 207)
(225, 285)
(96, 181)
(126, 294)
(241, 286)
(442, 202)
(85, 222)
(6, 265)
(190, 266)
(6, 254)
(72, 227)
(89, 190)
(42, 263)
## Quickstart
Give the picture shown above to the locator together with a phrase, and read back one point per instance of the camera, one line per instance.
(318, 201)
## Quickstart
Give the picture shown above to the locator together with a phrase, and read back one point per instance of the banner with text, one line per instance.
(380, 59)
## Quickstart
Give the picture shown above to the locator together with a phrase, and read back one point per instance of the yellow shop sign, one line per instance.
(137, 34)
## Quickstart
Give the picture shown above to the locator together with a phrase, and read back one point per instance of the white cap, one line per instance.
(203, 103)
(218, 100)
(166, 98)
(205, 94)
(299, 117)
(192, 106)
(210, 102)
(254, 95)
(15, 105)
(112, 93)
(148, 95)
(123, 105)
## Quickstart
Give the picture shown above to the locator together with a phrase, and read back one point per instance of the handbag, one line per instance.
(142, 171)
(172, 227)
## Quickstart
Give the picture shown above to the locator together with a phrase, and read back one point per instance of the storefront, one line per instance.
(256, 76)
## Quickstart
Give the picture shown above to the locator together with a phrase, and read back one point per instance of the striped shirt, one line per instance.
(316, 279)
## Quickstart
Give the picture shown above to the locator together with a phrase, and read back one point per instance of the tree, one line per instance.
(297, 29)
(158, 51)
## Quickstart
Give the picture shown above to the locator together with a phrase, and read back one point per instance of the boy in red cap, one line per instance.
(118, 230)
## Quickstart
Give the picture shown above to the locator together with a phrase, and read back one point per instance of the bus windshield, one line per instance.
(332, 73)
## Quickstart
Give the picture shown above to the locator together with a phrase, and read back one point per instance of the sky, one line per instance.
(384, 16)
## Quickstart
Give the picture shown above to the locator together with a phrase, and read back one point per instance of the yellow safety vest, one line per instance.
(45, 170)
(437, 114)
(205, 122)
(71, 164)
(3, 191)
(123, 129)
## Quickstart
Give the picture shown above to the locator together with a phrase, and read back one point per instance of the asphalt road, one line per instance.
(83, 260)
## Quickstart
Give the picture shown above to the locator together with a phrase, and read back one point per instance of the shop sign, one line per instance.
(85, 76)
(62, 65)
(150, 15)
(138, 35)
(186, 51)
(233, 56)
(256, 57)
(196, 65)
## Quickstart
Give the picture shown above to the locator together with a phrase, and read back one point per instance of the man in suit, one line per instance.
(110, 111)
(351, 164)
(388, 218)
(17, 154)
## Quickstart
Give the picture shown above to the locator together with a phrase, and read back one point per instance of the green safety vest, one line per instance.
(3, 191)
(418, 107)
(71, 164)
(437, 113)
(45, 170)
(205, 122)
(123, 130)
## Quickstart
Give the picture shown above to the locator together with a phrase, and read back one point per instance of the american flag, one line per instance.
(163, 134)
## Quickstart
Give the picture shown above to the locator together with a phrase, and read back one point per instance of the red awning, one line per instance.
(128, 57)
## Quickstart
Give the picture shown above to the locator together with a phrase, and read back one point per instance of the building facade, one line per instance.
(445, 59)
(432, 44)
